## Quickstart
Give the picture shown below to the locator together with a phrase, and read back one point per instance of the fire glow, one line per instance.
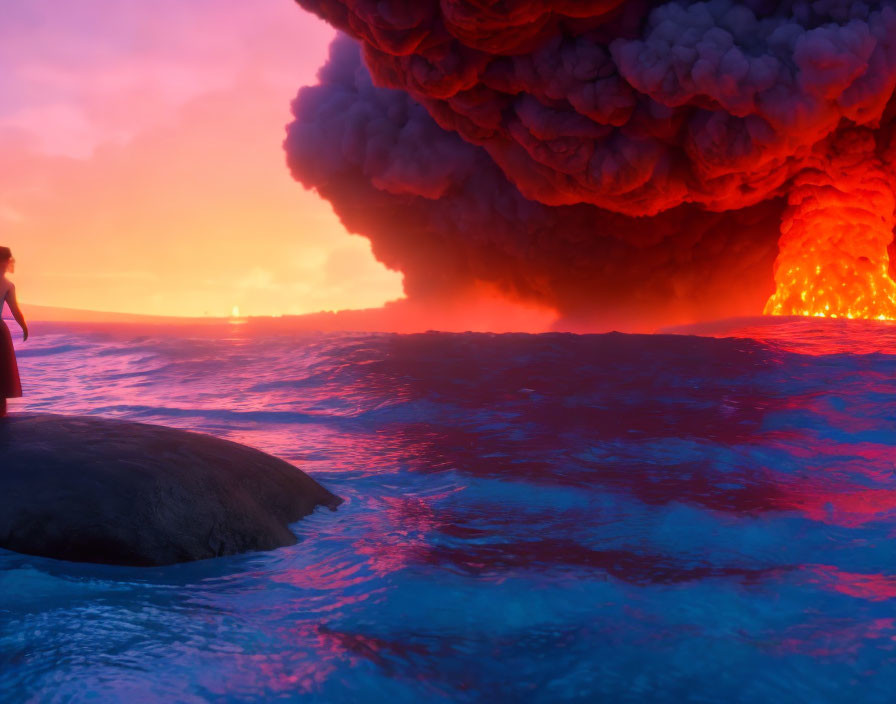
(833, 259)
(610, 163)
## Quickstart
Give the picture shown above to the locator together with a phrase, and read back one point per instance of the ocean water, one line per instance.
(551, 518)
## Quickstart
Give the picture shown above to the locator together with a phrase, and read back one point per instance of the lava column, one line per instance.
(832, 258)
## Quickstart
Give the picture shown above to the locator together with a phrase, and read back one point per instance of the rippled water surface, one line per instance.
(547, 518)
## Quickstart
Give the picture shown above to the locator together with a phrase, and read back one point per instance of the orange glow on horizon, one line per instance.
(152, 180)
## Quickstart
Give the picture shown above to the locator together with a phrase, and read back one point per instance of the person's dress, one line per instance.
(10, 384)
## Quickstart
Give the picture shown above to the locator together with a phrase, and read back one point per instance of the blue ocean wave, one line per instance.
(539, 518)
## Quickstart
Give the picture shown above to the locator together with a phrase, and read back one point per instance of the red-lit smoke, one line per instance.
(834, 236)
(601, 156)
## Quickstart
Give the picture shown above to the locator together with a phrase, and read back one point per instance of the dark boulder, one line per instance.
(98, 490)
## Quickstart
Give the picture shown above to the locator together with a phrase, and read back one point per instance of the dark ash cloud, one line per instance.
(595, 156)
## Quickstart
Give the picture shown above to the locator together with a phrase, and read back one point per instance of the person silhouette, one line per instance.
(10, 385)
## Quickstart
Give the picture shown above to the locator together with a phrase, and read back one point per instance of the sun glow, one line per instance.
(236, 318)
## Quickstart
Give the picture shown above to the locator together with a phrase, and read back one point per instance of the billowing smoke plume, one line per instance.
(601, 154)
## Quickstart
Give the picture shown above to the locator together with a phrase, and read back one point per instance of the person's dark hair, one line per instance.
(5, 254)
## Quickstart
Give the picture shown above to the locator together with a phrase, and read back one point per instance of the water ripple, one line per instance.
(528, 518)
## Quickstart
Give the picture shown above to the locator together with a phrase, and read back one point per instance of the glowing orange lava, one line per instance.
(833, 259)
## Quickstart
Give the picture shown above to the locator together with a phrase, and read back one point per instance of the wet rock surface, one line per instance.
(90, 489)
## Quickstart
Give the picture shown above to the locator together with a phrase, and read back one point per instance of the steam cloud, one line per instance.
(598, 155)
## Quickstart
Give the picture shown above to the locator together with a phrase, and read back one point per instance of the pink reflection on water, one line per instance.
(322, 576)
(844, 505)
(399, 531)
(873, 587)
(280, 673)
(827, 638)
(359, 647)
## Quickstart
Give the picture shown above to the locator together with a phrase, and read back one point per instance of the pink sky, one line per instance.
(143, 170)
